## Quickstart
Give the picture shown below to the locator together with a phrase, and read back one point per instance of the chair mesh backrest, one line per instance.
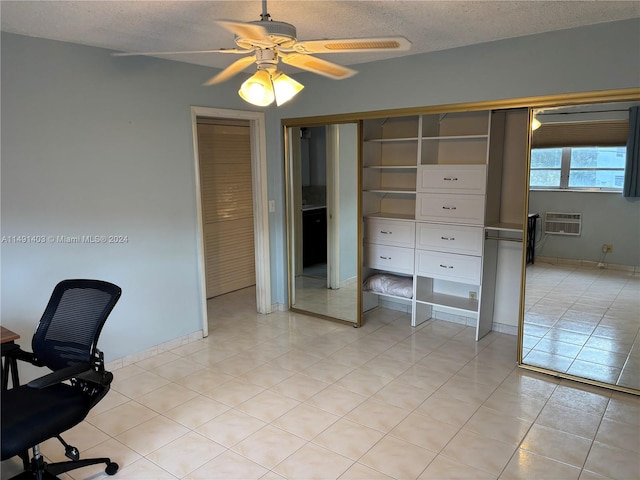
(70, 326)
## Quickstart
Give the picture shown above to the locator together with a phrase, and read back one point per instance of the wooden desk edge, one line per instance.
(7, 335)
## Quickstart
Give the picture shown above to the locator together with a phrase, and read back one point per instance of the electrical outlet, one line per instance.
(473, 295)
(607, 248)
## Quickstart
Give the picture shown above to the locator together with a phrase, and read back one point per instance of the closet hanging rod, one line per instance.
(493, 237)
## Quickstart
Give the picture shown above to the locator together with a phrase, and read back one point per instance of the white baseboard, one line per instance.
(279, 307)
(587, 264)
(503, 328)
(151, 352)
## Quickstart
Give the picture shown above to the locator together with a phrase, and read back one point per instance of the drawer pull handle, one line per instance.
(446, 266)
(448, 238)
(448, 208)
(451, 179)
(385, 233)
(385, 258)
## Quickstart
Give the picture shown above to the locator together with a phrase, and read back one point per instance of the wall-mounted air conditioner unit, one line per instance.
(556, 223)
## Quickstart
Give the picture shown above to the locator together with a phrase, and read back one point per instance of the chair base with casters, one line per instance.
(45, 408)
(27, 409)
(38, 469)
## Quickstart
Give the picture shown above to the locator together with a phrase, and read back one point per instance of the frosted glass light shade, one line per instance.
(258, 89)
(535, 124)
(285, 87)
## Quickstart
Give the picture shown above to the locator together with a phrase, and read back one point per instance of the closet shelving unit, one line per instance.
(450, 207)
(390, 150)
(428, 207)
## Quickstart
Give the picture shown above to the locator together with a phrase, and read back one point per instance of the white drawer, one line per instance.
(467, 179)
(390, 259)
(449, 266)
(449, 238)
(390, 232)
(465, 209)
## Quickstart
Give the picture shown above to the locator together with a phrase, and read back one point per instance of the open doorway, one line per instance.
(259, 203)
(313, 176)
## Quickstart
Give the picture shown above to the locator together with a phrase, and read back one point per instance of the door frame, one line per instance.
(260, 205)
(332, 137)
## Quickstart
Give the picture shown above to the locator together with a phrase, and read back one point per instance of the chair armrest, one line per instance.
(14, 351)
(59, 376)
(102, 378)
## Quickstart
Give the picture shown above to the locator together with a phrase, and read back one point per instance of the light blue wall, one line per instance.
(348, 178)
(598, 57)
(318, 157)
(606, 218)
(96, 145)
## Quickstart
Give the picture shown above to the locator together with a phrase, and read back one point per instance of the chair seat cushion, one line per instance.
(30, 416)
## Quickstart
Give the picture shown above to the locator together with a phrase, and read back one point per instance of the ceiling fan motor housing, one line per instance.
(266, 58)
(280, 34)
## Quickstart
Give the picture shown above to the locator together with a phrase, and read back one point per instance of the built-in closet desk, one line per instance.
(443, 207)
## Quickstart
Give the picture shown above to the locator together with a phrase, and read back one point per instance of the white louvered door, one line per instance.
(224, 148)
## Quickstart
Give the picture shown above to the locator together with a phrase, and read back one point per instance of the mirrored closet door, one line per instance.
(323, 220)
(582, 294)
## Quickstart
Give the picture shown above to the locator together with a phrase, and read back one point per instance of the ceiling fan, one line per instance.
(267, 42)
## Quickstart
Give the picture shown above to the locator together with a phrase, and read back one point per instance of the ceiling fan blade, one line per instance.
(374, 44)
(231, 70)
(184, 52)
(248, 31)
(317, 65)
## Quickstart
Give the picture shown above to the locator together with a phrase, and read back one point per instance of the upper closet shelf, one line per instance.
(456, 137)
(388, 140)
(390, 190)
(505, 227)
(392, 167)
(393, 216)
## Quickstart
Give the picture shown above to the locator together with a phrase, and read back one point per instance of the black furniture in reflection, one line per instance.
(314, 236)
(65, 342)
(531, 237)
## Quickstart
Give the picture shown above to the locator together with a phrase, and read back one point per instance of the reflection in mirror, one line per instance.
(323, 220)
(582, 295)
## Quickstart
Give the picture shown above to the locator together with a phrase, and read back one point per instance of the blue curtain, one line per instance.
(632, 168)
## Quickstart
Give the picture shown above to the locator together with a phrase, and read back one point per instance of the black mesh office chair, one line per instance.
(66, 342)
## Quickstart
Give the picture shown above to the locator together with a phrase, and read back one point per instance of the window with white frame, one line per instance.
(578, 168)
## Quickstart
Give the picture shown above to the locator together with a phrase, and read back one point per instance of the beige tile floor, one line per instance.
(583, 321)
(290, 396)
(312, 295)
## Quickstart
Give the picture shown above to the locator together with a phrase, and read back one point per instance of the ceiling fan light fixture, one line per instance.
(535, 123)
(265, 86)
(258, 89)
(266, 42)
(285, 87)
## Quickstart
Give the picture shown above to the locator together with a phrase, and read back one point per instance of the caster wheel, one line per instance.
(112, 468)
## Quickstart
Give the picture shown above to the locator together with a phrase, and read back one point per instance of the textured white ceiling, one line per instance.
(190, 25)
